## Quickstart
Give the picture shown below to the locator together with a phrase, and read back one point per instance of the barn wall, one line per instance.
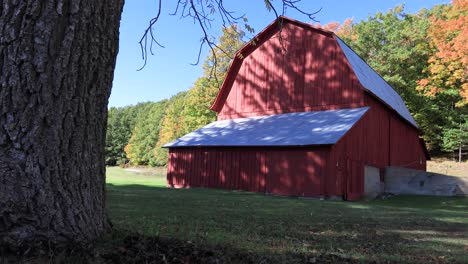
(367, 143)
(304, 70)
(404, 149)
(380, 139)
(298, 172)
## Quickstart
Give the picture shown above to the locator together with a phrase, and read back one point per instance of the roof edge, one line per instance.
(251, 146)
(367, 90)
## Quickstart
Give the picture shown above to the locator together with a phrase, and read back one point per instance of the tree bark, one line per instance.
(57, 60)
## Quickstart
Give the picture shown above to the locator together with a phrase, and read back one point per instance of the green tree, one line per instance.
(397, 45)
(119, 130)
(120, 124)
(446, 85)
(139, 149)
(196, 112)
(170, 128)
(218, 62)
(201, 96)
(456, 139)
(192, 110)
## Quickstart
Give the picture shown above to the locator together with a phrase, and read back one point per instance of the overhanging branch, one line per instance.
(204, 13)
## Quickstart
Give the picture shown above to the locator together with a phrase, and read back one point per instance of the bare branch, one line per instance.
(292, 4)
(204, 13)
(144, 39)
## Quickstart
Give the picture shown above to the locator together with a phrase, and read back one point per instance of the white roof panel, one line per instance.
(291, 129)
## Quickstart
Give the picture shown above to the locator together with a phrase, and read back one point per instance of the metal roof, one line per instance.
(291, 129)
(374, 83)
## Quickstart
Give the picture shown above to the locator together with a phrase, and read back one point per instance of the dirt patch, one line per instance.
(149, 171)
(448, 167)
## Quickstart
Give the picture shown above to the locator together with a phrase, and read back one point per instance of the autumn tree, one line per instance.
(396, 45)
(446, 85)
(448, 65)
(344, 31)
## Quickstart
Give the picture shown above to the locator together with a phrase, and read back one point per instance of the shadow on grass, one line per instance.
(137, 248)
(406, 228)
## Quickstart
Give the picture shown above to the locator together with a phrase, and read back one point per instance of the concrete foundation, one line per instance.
(373, 187)
(407, 181)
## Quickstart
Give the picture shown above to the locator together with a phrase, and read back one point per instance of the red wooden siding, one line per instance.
(403, 147)
(380, 139)
(406, 150)
(299, 172)
(304, 70)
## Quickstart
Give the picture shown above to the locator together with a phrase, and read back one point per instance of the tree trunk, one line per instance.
(460, 153)
(57, 60)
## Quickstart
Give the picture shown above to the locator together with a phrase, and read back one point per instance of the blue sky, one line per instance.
(169, 70)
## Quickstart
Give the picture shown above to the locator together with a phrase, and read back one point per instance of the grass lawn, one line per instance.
(281, 229)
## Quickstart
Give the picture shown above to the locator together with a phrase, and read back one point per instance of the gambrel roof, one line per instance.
(368, 78)
(291, 129)
(374, 83)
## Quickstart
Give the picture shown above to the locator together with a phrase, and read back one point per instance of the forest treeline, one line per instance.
(424, 56)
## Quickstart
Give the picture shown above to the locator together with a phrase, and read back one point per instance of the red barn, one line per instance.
(301, 114)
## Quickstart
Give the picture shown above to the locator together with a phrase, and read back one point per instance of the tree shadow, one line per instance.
(400, 229)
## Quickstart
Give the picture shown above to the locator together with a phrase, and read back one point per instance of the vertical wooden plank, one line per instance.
(309, 69)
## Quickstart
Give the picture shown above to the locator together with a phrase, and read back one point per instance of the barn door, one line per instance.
(354, 180)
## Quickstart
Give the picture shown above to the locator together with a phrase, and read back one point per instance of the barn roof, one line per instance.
(374, 83)
(370, 80)
(291, 129)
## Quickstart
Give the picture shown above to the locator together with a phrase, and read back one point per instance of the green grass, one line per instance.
(400, 229)
(118, 176)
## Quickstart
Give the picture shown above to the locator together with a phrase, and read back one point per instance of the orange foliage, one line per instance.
(332, 26)
(448, 67)
(344, 30)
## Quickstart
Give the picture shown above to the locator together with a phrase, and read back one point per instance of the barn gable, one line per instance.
(297, 69)
(300, 68)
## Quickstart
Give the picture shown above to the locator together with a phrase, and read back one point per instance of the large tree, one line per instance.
(57, 63)
(57, 60)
